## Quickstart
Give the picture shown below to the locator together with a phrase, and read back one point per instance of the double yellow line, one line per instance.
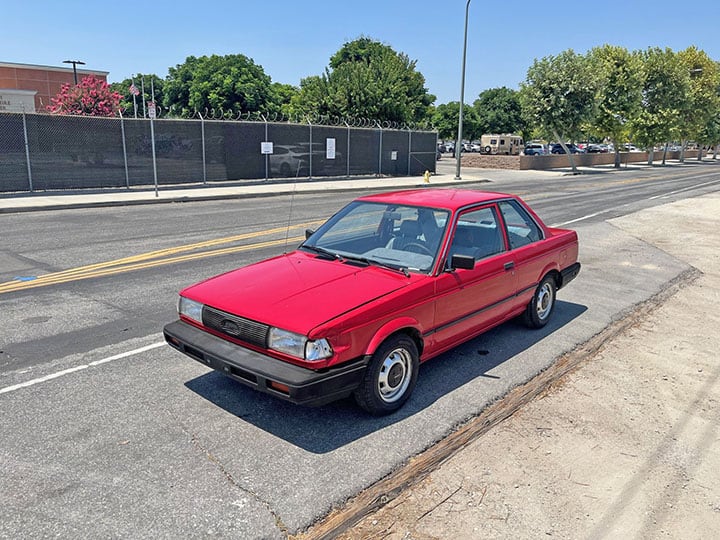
(159, 258)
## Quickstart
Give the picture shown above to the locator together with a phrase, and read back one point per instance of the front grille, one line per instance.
(237, 327)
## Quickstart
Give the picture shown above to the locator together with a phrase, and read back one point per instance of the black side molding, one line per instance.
(568, 274)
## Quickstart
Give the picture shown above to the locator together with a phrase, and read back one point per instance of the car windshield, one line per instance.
(404, 238)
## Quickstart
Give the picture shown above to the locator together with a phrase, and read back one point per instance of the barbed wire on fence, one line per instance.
(300, 118)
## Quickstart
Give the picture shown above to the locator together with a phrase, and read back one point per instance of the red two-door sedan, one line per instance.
(387, 283)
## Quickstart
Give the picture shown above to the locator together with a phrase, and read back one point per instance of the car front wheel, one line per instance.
(390, 377)
(538, 311)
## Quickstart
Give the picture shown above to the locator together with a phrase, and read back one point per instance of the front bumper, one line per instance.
(305, 386)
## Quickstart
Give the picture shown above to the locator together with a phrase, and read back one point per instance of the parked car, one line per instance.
(475, 147)
(558, 149)
(597, 149)
(534, 149)
(390, 281)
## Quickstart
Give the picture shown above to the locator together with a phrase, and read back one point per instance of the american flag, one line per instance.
(133, 90)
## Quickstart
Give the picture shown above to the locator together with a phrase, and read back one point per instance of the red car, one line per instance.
(387, 283)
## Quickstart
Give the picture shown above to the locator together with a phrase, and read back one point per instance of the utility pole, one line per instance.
(458, 144)
(74, 64)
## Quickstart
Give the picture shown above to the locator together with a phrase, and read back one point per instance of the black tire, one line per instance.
(538, 311)
(390, 377)
(488, 149)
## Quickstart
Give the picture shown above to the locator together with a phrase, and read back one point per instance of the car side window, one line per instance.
(477, 234)
(521, 228)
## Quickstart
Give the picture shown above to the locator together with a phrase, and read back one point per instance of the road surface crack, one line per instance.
(197, 443)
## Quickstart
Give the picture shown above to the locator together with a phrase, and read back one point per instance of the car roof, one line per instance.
(450, 199)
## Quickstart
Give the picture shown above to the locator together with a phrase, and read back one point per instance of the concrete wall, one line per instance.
(560, 161)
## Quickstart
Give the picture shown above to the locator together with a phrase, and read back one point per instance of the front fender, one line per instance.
(389, 329)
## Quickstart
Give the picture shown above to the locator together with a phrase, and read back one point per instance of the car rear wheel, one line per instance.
(488, 149)
(538, 311)
(390, 377)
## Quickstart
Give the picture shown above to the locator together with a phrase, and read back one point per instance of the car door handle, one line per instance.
(509, 265)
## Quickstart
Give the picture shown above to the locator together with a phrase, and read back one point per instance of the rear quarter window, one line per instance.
(522, 229)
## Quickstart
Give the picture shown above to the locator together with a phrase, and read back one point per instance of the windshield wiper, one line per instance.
(374, 262)
(322, 251)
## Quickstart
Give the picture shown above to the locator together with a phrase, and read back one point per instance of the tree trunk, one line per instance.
(715, 151)
(651, 155)
(700, 152)
(665, 153)
(617, 153)
(567, 151)
(682, 150)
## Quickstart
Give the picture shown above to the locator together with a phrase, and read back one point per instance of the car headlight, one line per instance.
(298, 345)
(190, 309)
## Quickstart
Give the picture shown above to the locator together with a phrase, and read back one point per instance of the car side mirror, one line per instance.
(466, 262)
(308, 233)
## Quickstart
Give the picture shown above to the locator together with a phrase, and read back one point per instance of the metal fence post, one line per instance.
(202, 136)
(311, 149)
(27, 150)
(348, 149)
(152, 137)
(409, 149)
(122, 131)
(267, 157)
(380, 153)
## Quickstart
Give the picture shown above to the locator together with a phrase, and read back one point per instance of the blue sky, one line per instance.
(295, 39)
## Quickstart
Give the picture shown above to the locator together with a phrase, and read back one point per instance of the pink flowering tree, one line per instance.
(90, 97)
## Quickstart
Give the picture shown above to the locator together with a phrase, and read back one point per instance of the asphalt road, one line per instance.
(106, 432)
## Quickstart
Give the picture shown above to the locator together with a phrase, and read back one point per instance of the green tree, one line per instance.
(664, 89)
(281, 98)
(618, 95)
(148, 82)
(231, 83)
(703, 100)
(499, 111)
(710, 134)
(366, 79)
(558, 96)
(445, 119)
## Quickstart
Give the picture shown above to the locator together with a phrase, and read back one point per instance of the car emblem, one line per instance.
(230, 327)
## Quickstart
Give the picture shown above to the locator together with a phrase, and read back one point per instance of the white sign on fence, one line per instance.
(330, 148)
(266, 148)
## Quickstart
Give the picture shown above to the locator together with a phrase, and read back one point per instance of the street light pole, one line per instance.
(458, 143)
(74, 64)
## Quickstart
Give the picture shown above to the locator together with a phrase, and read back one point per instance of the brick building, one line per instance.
(30, 87)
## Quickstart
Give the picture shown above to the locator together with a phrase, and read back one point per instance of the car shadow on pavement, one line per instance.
(324, 429)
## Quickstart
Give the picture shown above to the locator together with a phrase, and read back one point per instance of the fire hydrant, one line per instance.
(426, 177)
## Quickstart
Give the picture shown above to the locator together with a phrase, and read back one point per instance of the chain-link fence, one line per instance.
(52, 152)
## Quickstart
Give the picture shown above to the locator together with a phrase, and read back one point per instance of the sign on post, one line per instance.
(266, 148)
(329, 148)
(152, 110)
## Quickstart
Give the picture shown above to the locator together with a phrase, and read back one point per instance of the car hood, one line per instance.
(297, 292)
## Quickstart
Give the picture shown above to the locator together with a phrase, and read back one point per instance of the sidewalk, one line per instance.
(626, 446)
(27, 202)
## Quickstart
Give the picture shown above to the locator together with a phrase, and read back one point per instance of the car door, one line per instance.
(524, 237)
(469, 301)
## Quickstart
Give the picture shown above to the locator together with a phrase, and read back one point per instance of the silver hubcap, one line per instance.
(545, 301)
(395, 374)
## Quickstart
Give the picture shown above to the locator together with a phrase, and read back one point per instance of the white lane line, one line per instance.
(64, 372)
(580, 219)
(682, 190)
